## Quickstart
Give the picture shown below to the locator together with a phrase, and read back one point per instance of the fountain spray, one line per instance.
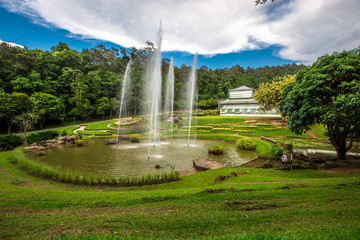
(124, 85)
(192, 85)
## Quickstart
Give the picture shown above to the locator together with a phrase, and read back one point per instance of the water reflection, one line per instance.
(132, 158)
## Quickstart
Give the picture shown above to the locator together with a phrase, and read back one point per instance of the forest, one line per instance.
(62, 84)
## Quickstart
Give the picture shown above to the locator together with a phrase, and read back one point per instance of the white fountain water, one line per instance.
(125, 82)
(169, 100)
(154, 91)
(191, 96)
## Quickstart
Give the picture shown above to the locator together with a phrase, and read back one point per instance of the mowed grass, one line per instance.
(257, 204)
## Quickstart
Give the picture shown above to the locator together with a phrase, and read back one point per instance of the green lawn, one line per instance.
(257, 204)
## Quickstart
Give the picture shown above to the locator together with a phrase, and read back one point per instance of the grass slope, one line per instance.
(257, 204)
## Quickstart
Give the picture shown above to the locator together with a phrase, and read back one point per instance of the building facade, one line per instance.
(241, 102)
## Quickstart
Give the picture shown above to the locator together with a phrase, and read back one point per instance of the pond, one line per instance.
(132, 158)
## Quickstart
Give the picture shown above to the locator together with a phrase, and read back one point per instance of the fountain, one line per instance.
(169, 99)
(191, 91)
(154, 91)
(123, 88)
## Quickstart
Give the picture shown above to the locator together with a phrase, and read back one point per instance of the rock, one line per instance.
(219, 178)
(51, 141)
(35, 148)
(232, 174)
(329, 165)
(109, 141)
(42, 143)
(266, 165)
(299, 156)
(203, 164)
(281, 166)
(187, 171)
(72, 138)
(123, 137)
(63, 138)
(60, 142)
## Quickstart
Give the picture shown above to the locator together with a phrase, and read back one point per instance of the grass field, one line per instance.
(257, 204)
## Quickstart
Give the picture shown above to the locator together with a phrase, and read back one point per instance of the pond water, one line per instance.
(131, 158)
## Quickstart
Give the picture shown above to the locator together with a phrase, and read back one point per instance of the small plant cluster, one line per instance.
(39, 136)
(79, 142)
(10, 141)
(48, 172)
(277, 150)
(134, 138)
(246, 143)
(216, 149)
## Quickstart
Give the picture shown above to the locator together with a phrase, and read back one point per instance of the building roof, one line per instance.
(242, 88)
(238, 101)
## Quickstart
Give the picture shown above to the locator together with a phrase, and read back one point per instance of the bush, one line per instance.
(217, 149)
(79, 142)
(39, 136)
(10, 141)
(246, 143)
(134, 138)
(157, 166)
(277, 150)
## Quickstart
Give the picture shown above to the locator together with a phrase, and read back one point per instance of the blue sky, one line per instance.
(227, 34)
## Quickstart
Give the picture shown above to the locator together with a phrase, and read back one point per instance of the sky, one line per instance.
(224, 33)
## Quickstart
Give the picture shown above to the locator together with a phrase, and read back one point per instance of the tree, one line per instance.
(114, 105)
(12, 105)
(262, 1)
(26, 121)
(103, 105)
(30, 84)
(327, 93)
(270, 94)
(47, 107)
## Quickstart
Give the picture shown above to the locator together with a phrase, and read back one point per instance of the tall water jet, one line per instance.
(169, 97)
(123, 89)
(191, 96)
(154, 90)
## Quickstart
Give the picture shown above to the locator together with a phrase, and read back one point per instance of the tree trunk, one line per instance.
(9, 125)
(41, 123)
(339, 142)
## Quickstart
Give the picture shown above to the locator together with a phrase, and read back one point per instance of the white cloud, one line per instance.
(12, 44)
(305, 28)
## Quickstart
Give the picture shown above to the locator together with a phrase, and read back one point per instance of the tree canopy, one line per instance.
(327, 93)
(87, 84)
(270, 94)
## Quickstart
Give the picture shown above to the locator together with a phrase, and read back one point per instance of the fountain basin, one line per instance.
(132, 158)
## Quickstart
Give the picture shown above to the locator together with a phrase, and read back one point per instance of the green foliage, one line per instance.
(246, 143)
(79, 142)
(157, 166)
(326, 93)
(134, 138)
(216, 149)
(270, 94)
(277, 150)
(48, 172)
(44, 135)
(9, 141)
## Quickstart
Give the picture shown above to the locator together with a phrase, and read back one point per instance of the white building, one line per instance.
(241, 102)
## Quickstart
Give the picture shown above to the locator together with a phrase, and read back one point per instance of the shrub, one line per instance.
(10, 141)
(216, 149)
(157, 166)
(277, 150)
(134, 138)
(246, 143)
(39, 136)
(64, 133)
(79, 142)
